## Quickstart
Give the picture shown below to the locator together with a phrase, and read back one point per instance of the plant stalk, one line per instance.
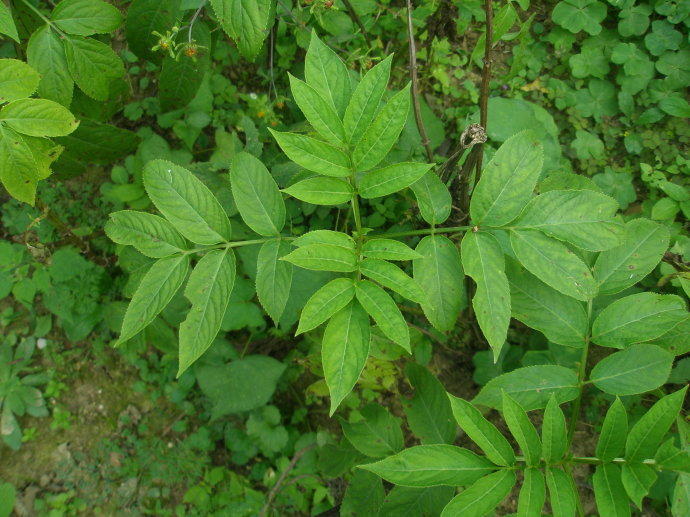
(582, 373)
(486, 77)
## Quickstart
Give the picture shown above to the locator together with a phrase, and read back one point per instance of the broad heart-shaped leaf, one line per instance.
(577, 15)
(385, 181)
(483, 496)
(378, 434)
(507, 181)
(247, 22)
(532, 493)
(432, 465)
(208, 289)
(433, 198)
(273, 278)
(641, 250)
(186, 202)
(648, 432)
(562, 495)
(428, 412)
(609, 491)
(383, 132)
(583, 218)
(86, 17)
(553, 263)
(46, 54)
(482, 432)
(554, 436)
(242, 385)
(321, 191)
(531, 387)
(8, 28)
(441, 275)
(38, 117)
(156, 289)
(344, 351)
(256, 195)
(313, 154)
(325, 302)
(637, 479)
(388, 249)
(365, 101)
(328, 237)
(318, 112)
(483, 260)
(327, 74)
(143, 18)
(392, 277)
(637, 369)
(560, 318)
(93, 65)
(17, 80)
(637, 318)
(323, 257)
(153, 236)
(19, 172)
(522, 429)
(613, 432)
(385, 312)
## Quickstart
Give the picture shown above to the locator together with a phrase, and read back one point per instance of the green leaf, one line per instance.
(507, 181)
(428, 412)
(634, 20)
(441, 274)
(531, 387)
(403, 500)
(639, 253)
(7, 25)
(392, 277)
(532, 493)
(378, 434)
(388, 249)
(186, 202)
(554, 264)
(677, 339)
(562, 495)
(144, 17)
(93, 65)
(383, 132)
(208, 289)
(662, 37)
(365, 100)
(637, 318)
(646, 435)
(637, 480)
(385, 181)
(247, 22)
(483, 260)
(318, 112)
(323, 257)
(344, 352)
(321, 191)
(554, 436)
(522, 429)
(637, 369)
(364, 495)
(613, 432)
(433, 198)
(328, 237)
(86, 17)
(38, 117)
(609, 491)
(680, 504)
(256, 195)
(325, 302)
(327, 74)
(675, 106)
(17, 80)
(46, 54)
(273, 278)
(482, 432)
(483, 496)
(7, 491)
(578, 15)
(103, 144)
(19, 171)
(156, 289)
(432, 465)
(385, 313)
(153, 236)
(313, 154)
(581, 217)
(242, 385)
(560, 318)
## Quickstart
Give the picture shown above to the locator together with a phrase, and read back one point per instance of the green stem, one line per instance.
(42, 16)
(582, 373)
(236, 244)
(425, 231)
(358, 224)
